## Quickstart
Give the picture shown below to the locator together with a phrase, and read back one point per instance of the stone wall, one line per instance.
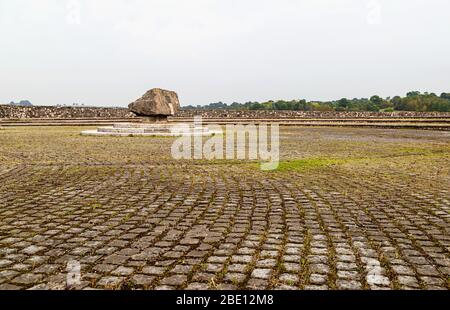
(17, 112)
(303, 114)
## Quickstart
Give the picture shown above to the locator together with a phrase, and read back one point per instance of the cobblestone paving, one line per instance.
(378, 220)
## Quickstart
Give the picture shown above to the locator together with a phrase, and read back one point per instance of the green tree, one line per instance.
(413, 94)
(342, 104)
(397, 103)
(445, 96)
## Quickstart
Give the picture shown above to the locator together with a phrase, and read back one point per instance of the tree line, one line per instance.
(413, 101)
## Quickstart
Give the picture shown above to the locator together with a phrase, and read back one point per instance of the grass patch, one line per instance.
(308, 164)
(96, 206)
(423, 151)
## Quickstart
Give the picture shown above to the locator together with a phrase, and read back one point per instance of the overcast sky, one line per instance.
(109, 52)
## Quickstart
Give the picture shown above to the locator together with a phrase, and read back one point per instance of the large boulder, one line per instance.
(156, 102)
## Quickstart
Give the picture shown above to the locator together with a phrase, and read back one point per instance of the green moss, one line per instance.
(308, 164)
(96, 206)
(422, 151)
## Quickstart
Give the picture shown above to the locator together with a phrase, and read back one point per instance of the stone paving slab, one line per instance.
(371, 224)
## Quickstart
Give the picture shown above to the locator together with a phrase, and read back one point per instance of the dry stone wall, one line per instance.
(47, 112)
(17, 112)
(303, 114)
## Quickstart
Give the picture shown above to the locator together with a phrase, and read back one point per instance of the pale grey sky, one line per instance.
(109, 52)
